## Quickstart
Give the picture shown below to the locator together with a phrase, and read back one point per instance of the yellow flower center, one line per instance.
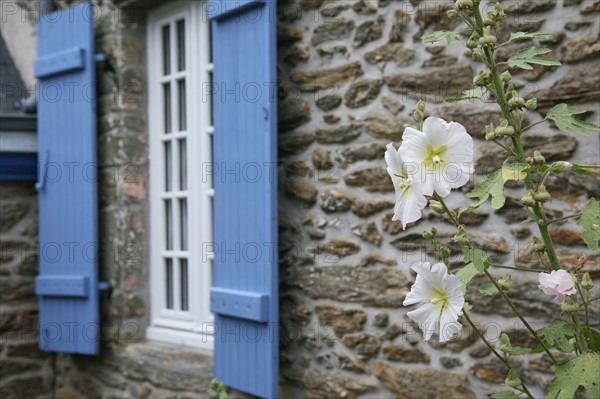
(439, 297)
(435, 156)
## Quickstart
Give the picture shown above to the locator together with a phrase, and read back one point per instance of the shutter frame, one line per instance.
(245, 213)
(67, 284)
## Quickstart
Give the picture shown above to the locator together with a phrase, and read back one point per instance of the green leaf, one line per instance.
(466, 274)
(467, 307)
(492, 186)
(517, 351)
(581, 370)
(530, 56)
(476, 262)
(558, 334)
(514, 171)
(489, 289)
(518, 36)
(562, 116)
(451, 37)
(479, 258)
(591, 336)
(504, 395)
(590, 222)
(476, 93)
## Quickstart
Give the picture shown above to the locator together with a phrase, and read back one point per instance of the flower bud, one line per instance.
(452, 14)
(516, 102)
(477, 55)
(506, 77)
(461, 238)
(444, 252)
(527, 200)
(482, 78)
(421, 106)
(505, 282)
(505, 131)
(499, 11)
(541, 195)
(418, 115)
(570, 306)
(512, 380)
(433, 231)
(489, 22)
(531, 104)
(488, 40)
(429, 234)
(436, 206)
(505, 345)
(563, 166)
(538, 158)
(464, 4)
(490, 133)
(472, 43)
(538, 246)
(586, 281)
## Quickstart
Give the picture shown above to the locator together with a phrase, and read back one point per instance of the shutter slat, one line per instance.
(245, 210)
(67, 284)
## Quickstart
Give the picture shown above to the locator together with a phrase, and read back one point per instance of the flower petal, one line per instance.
(409, 204)
(459, 166)
(393, 160)
(427, 317)
(449, 324)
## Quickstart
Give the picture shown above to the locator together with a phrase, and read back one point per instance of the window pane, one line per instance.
(182, 164)
(183, 273)
(166, 48)
(168, 166)
(210, 58)
(182, 105)
(210, 151)
(180, 45)
(183, 223)
(169, 224)
(169, 282)
(210, 98)
(167, 110)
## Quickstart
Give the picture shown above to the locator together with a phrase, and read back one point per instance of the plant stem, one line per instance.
(526, 128)
(451, 214)
(516, 139)
(517, 268)
(563, 218)
(519, 315)
(493, 350)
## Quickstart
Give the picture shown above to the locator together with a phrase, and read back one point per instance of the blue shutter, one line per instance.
(244, 295)
(67, 284)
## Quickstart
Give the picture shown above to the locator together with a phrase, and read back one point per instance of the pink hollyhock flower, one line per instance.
(558, 283)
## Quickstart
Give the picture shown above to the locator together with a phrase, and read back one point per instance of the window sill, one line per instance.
(182, 338)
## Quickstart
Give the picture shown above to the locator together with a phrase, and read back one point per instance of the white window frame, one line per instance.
(195, 326)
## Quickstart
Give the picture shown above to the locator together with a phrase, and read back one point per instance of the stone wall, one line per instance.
(24, 370)
(351, 73)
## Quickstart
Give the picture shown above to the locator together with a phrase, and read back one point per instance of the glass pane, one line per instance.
(180, 45)
(169, 282)
(168, 166)
(183, 273)
(182, 105)
(169, 224)
(183, 223)
(210, 97)
(166, 49)
(210, 58)
(182, 164)
(212, 175)
(167, 110)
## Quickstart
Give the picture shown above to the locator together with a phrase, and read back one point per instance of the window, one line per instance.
(181, 192)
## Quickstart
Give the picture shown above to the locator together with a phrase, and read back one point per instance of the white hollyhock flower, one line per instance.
(441, 155)
(558, 283)
(441, 298)
(410, 201)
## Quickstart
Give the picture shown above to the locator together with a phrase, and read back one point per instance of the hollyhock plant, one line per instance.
(441, 155)
(441, 299)
(558, 283)
(410, 201)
